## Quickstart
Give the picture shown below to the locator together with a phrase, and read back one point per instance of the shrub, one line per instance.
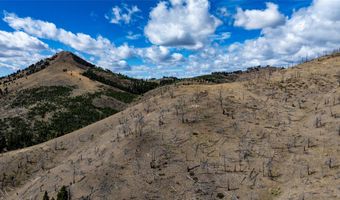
(62, 194)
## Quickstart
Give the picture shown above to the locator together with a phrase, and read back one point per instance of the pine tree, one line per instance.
(62, 194)
(46, 197)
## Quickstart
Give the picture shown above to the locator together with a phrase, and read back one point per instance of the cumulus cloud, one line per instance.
(18, 48)
(259, 19)
(102, 51)
(308, 32)
(19, 40)
(181, 23)
(328, 9)
(108, 54)
(159, 54)
(122, 14)
(47, 30)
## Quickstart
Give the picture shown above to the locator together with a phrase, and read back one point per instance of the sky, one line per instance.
(156, 38)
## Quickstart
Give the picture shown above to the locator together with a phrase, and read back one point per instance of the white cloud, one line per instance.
(107, 53)
(18, 49)
(327, 9)
(221, 36)
(159, 54)
(19, 40)
(47, 30)
(182, 23)
(132, 36)
(259, 19)
(309, 32)
(122, 15)
(223, 11)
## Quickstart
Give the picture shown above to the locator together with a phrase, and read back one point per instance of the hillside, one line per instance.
(273, 136)
(52, 98)
(63, 93)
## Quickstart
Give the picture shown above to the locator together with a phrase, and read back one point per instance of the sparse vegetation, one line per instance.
(29, 97)
(121, 96)
(63, 194)
(65, 114)
(135, 86)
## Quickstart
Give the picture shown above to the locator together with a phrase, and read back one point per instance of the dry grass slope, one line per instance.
(276, 136)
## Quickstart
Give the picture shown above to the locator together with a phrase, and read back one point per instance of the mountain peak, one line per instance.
(64, 54)
(69, 57)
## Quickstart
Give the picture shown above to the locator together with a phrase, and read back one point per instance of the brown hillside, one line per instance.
(275, 136)
(61, 70)
(52, 98)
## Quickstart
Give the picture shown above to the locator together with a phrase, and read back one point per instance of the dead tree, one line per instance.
(124, 122)
(330, 163)
(180, 109)
(161, 120)
(220, 99)
(245, 148)
(147, 106)
(139, 124)
(171, 92)
(318, 122)
(270, 168)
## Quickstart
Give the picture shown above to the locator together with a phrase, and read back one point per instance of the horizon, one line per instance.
(145, 39)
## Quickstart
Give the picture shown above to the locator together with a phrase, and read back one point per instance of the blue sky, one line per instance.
(150, 38)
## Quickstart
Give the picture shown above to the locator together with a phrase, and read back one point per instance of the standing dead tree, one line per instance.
(269, 165)
(318, 122)
(180, 109)
(147, 106)
(330, 162)
(124, 122)
(161, 120)
(245, 148)
(220, 99)
(139, 123)
(171, 92)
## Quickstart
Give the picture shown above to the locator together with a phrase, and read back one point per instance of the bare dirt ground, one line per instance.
(276, 136)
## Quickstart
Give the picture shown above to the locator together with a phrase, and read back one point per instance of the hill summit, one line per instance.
(58, 95)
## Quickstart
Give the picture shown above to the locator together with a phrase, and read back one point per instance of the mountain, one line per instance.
(54, 97)
(63, 93)
(272, 135)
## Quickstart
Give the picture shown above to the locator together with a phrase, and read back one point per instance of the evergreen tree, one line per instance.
(62, 194)
(46, 197)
